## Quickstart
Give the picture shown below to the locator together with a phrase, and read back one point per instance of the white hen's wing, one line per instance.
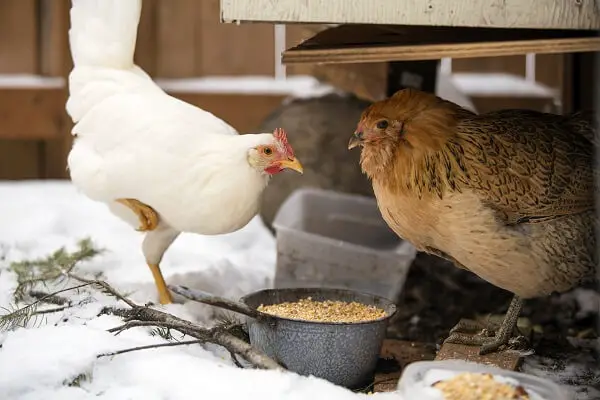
(132, 139)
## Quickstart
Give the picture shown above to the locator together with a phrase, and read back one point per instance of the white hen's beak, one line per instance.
(292, 163)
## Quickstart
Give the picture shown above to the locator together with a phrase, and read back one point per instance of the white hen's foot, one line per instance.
(146, 214)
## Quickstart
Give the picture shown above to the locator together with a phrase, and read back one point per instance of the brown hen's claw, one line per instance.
(460, 333)
(146, 214)
(470, 326)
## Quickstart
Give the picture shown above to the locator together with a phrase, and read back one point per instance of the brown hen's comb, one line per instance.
(280, 135)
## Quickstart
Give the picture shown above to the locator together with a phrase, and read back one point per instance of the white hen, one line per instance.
(159, 163)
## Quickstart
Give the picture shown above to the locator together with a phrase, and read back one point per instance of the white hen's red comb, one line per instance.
(280, 135)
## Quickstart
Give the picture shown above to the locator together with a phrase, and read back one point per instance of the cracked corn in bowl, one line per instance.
(324, 311)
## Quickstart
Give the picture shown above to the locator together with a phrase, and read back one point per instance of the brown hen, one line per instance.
(507, 195)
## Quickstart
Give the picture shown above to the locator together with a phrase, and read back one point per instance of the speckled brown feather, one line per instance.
(529, 166)
(505, 194)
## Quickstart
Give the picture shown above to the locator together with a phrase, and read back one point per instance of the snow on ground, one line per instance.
(55, 357)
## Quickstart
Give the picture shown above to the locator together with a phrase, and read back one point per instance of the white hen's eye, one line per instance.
(268, 151)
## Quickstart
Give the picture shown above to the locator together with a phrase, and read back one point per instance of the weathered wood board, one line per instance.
(543, 14)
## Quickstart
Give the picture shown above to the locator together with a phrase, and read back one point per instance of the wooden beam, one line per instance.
(55, 61)
(55, 54)
(29, 113)
(373, 43)
(541, 14)
(19, 37)
(32, 113)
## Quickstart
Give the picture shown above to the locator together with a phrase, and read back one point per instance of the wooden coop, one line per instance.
(376, 47)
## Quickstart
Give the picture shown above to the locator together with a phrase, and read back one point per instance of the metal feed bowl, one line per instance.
(343, 353)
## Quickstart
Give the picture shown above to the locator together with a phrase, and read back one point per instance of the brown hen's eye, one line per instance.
(268, 151)
(382, 124)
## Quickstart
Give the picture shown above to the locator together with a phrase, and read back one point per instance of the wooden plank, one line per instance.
(514, 65)
(372, 43)
(55, 60)
(506, 359)
(19, 159)
(176, 38)
(32, 113)
(146, 45)
(510, 360)
(549, 70)
(18, 37)
(296, 34)
(55, 55)
(544, 14)
(230, 49)
(365, 80)
(245, 112)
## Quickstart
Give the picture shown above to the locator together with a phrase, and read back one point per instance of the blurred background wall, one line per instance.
(182, 43)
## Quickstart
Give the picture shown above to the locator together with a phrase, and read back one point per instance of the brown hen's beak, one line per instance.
(292, 163)
(355, 140)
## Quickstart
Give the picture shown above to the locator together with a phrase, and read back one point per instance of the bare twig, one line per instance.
(51, 310)
(20, 317)
(151, 346)
(105, 286)
(221, 302)
(131, 324)
(48, 298)
(143, 316)
(45, 298)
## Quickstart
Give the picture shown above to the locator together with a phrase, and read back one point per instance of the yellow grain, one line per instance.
(324, 311)
(478, 386)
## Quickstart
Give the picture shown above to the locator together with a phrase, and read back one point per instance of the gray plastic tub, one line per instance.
(331, 239)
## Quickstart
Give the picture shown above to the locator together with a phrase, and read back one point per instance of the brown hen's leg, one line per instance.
(489, 344)
(148, 222)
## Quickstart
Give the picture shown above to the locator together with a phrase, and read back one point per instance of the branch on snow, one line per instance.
(60, 266)
(144, 316)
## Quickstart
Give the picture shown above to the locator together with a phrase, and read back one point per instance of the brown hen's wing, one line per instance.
(529, 166)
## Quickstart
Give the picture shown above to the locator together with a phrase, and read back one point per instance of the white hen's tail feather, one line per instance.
(103, 32)
(102, 39)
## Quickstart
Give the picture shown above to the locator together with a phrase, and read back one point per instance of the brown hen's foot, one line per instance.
(164, 296)
(462, 333)
(146, 214)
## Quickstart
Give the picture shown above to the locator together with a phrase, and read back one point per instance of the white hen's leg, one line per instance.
(154, 247)
(158, 238)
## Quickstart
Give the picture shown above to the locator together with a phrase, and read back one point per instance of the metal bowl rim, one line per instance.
(389, 304)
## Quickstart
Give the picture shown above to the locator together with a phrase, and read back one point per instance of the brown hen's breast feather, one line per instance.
(509, 196)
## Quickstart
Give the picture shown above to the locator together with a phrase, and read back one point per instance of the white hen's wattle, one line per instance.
(135, 141)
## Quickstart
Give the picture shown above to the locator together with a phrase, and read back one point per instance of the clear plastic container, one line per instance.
(417, 378)
(331, 239)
